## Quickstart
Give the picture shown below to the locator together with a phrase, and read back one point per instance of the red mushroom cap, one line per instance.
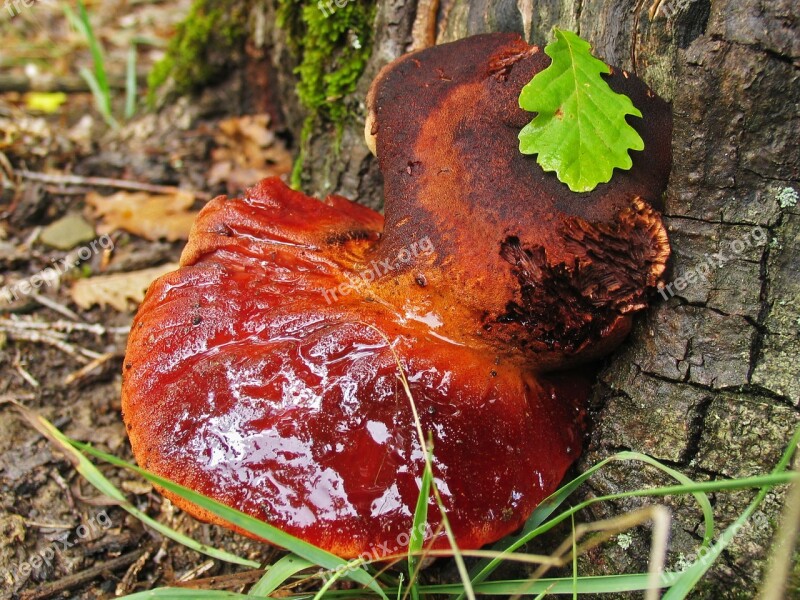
(260, 373)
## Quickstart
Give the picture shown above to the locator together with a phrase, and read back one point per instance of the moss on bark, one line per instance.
(208, 40)
(333, 40)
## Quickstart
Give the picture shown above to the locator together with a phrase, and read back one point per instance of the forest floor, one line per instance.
(63, 330)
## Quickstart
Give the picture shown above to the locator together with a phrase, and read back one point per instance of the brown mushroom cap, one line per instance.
(533, 264)
(261, 372)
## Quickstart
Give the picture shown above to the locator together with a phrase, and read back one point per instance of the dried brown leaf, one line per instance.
(122, 291)
(247, 151)
(151, 216)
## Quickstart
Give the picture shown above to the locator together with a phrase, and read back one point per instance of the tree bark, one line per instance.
(709, 380)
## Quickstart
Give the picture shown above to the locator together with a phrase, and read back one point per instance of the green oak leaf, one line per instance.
(580, 131)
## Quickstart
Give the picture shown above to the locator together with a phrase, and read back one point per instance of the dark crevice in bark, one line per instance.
(697, 428)
(697, 19)
(764, 309)
(761, 329)
(704, 305)
(756, 47)
(767, 178)
(751, 390)
(720, 222)
(746, 391)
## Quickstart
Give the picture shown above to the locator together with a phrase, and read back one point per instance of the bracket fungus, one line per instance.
(263, 372)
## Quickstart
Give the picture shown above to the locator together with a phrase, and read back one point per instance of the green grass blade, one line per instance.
(130, 82)
(743, 483)
(73, 20)
(604, 584)
(186, 594)
(539, 515)
(461, 566)
(258, 528)
(549, 505)
(100, 100)
(336, 576)
(686, 581)
(701, 497)
(562, 585)
(709, 486)
(772, 480)
(97, 80)
(543, 594)
(574, 561)
(278, 573)
(419, 526)
(598, 584)
(95, 49)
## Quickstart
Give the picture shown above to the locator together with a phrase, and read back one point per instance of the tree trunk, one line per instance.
(709, 381)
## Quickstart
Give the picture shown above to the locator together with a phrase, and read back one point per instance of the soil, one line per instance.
(58, 536)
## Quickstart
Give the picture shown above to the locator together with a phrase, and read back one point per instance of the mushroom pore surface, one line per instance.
(263, 372)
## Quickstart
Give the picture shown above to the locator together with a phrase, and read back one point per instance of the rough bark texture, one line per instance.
(709, 381)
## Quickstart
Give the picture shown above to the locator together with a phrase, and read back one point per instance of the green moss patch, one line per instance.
(334, 43)
(210, 38)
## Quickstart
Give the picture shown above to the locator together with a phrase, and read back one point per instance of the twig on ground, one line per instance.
(61, 83)
(65, 326)
(83, 577)
(60, 482)
(6, 170)
(47, 525)
(30, 240)
(223, 582)
(23, 372)
(121, 184)
(53, 305)
(128, 582)
(102, 500)
(67, 191)
(30, 379)
(86, 369)
(193, 573)
(51, 338)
